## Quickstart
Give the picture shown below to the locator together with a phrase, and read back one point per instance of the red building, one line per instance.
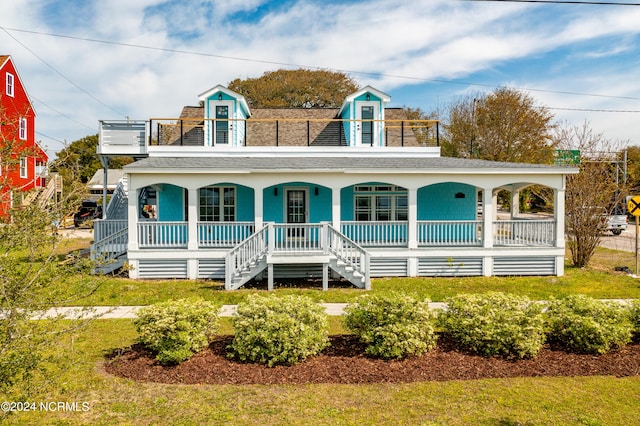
(23, 162)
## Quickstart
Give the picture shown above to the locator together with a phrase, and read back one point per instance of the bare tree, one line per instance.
(592, 194)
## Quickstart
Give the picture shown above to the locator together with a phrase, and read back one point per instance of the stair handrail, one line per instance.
(245, 253)
(349, 252)
(118, 199)
(49, 190)
(119, 238)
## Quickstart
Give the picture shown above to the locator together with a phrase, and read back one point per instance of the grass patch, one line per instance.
(598, 281)
(567, 401)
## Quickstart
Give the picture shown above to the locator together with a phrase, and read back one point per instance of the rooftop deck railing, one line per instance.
(287, 132)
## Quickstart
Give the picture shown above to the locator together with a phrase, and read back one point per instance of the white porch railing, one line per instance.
(117, 207)
(223, 234)
(524, 233)
(243, 256)
(163, 234)
(379, 233)
(450, 233)
(305, 237)
(350, 253)
(104, 228)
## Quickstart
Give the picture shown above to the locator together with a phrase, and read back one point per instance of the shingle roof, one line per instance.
(333, 164)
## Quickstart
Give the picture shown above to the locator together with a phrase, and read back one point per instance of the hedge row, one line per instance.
(286, 330)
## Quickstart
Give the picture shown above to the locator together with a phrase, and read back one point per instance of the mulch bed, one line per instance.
(344, 362)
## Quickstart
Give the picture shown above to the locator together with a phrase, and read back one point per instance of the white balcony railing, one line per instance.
(304, 237)
(524, 233)
(228, 234)
(162, 234)
(371, 234)
(450, 233)
(308, 237)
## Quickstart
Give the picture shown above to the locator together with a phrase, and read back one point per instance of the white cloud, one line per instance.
(387, 40)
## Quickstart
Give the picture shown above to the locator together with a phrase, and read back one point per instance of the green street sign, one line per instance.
(567, 157)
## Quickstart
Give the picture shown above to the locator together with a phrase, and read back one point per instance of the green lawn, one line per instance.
(598, 281)
(521, 401)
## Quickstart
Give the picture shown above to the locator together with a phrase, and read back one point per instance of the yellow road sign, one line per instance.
(633, 206)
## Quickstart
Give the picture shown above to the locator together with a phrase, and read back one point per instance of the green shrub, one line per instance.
(177, 329)
(582, 324)
(495, 324)
(279, 330)
(392, 326)
(634, 317)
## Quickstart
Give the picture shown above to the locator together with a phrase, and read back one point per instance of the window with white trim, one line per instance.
(10, 85)
(380, 203)
(217, 204)
(23, 129)
(23, 167)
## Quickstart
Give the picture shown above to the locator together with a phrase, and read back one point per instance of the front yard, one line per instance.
(103, 399)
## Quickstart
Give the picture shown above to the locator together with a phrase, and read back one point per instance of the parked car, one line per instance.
(89, 211)
(617, 221)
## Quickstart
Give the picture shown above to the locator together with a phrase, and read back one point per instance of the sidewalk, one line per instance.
(129, 312)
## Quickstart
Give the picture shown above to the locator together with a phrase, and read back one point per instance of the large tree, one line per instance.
(593, 193)
(79, 161)
(504, 125)
(299, 88)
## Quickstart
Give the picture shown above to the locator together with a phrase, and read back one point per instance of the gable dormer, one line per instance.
(225, 113)
(363, 115)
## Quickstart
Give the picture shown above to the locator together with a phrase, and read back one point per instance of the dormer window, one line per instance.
(364, 113)
(10, 85)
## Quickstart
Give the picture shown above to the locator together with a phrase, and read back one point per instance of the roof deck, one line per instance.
(266, 128)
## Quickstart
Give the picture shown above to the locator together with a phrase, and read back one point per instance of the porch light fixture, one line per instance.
(368, 97)
(316, 191)
(219, 96)
(275, 192)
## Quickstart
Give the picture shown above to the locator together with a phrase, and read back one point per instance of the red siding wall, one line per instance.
(12, 147)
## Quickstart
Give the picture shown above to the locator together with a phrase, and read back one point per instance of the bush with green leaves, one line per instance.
(495, 324)
(581, 324)
(176, 329)
(634, 317)
(393, 325)
(276, 330)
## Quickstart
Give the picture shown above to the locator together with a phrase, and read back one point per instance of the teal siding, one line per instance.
(171, 203)
(319, 205)
(346, 115)
(346, 204)
(439, 202)
(245, 204)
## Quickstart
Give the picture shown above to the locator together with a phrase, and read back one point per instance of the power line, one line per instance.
(236, 58)
(61, 113)
(62, 75)
(595, 3)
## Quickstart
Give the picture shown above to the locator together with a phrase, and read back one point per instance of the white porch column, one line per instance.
(335, 208)
(132, 225)
(132, 213)
(560, 223)
(559, 217)
(515, 203)
(412, 216)
(258, 202)
(192, 225)
(489, 213)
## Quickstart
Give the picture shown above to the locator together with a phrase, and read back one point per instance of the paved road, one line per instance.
(625, 241)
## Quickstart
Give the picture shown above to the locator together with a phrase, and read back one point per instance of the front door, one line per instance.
(296, 212)
(222, 124)
(367, 127)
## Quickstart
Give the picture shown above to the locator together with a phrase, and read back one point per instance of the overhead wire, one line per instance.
(287, 64)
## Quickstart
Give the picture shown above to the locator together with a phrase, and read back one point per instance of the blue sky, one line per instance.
(581, 61)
